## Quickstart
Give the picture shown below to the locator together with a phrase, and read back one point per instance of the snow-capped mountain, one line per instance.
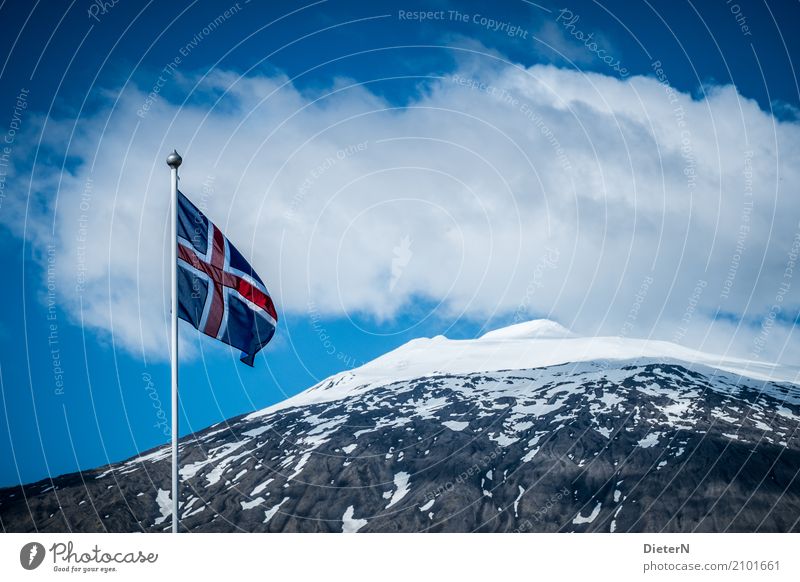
(533, 344)
(528, 428)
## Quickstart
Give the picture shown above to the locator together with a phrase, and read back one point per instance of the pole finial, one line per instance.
(174, 160)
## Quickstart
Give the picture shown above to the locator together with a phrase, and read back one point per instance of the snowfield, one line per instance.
(533, 344)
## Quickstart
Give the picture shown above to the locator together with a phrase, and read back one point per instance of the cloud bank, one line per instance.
(620, 207)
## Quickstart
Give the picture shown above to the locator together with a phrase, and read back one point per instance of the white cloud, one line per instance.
(318, 188)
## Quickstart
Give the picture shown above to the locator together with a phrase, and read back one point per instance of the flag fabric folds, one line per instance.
(218, 291)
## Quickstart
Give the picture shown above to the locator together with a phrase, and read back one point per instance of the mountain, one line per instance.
(528, 428)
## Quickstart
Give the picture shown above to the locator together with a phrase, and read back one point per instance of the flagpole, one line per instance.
(173, 161)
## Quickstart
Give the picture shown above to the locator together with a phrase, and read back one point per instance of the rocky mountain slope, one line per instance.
(525, 429)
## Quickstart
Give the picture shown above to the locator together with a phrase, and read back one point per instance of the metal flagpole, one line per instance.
(173, 161)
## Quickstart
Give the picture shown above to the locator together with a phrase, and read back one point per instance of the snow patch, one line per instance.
(251, 504)
(349, 524)
(164, 505)
(650, 440)
(270, 513)
(606, 432)
(516, 501)
(455, 425)
(256, 431)
(401, 484)
(302, 463)
(260, 488)
(579, 519)
(502, 439)
(530, 455)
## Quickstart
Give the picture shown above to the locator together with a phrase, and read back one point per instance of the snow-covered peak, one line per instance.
(537, 328)
(533, 344)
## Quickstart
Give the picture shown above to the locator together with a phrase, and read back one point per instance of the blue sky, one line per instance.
(100, 398)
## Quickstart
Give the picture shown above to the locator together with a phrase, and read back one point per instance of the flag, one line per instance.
(218, 291)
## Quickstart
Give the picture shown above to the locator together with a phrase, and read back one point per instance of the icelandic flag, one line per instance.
(218, 291)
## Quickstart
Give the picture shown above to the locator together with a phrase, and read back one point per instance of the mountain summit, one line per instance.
(527, 428)
(536, 329)
(532, 344)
